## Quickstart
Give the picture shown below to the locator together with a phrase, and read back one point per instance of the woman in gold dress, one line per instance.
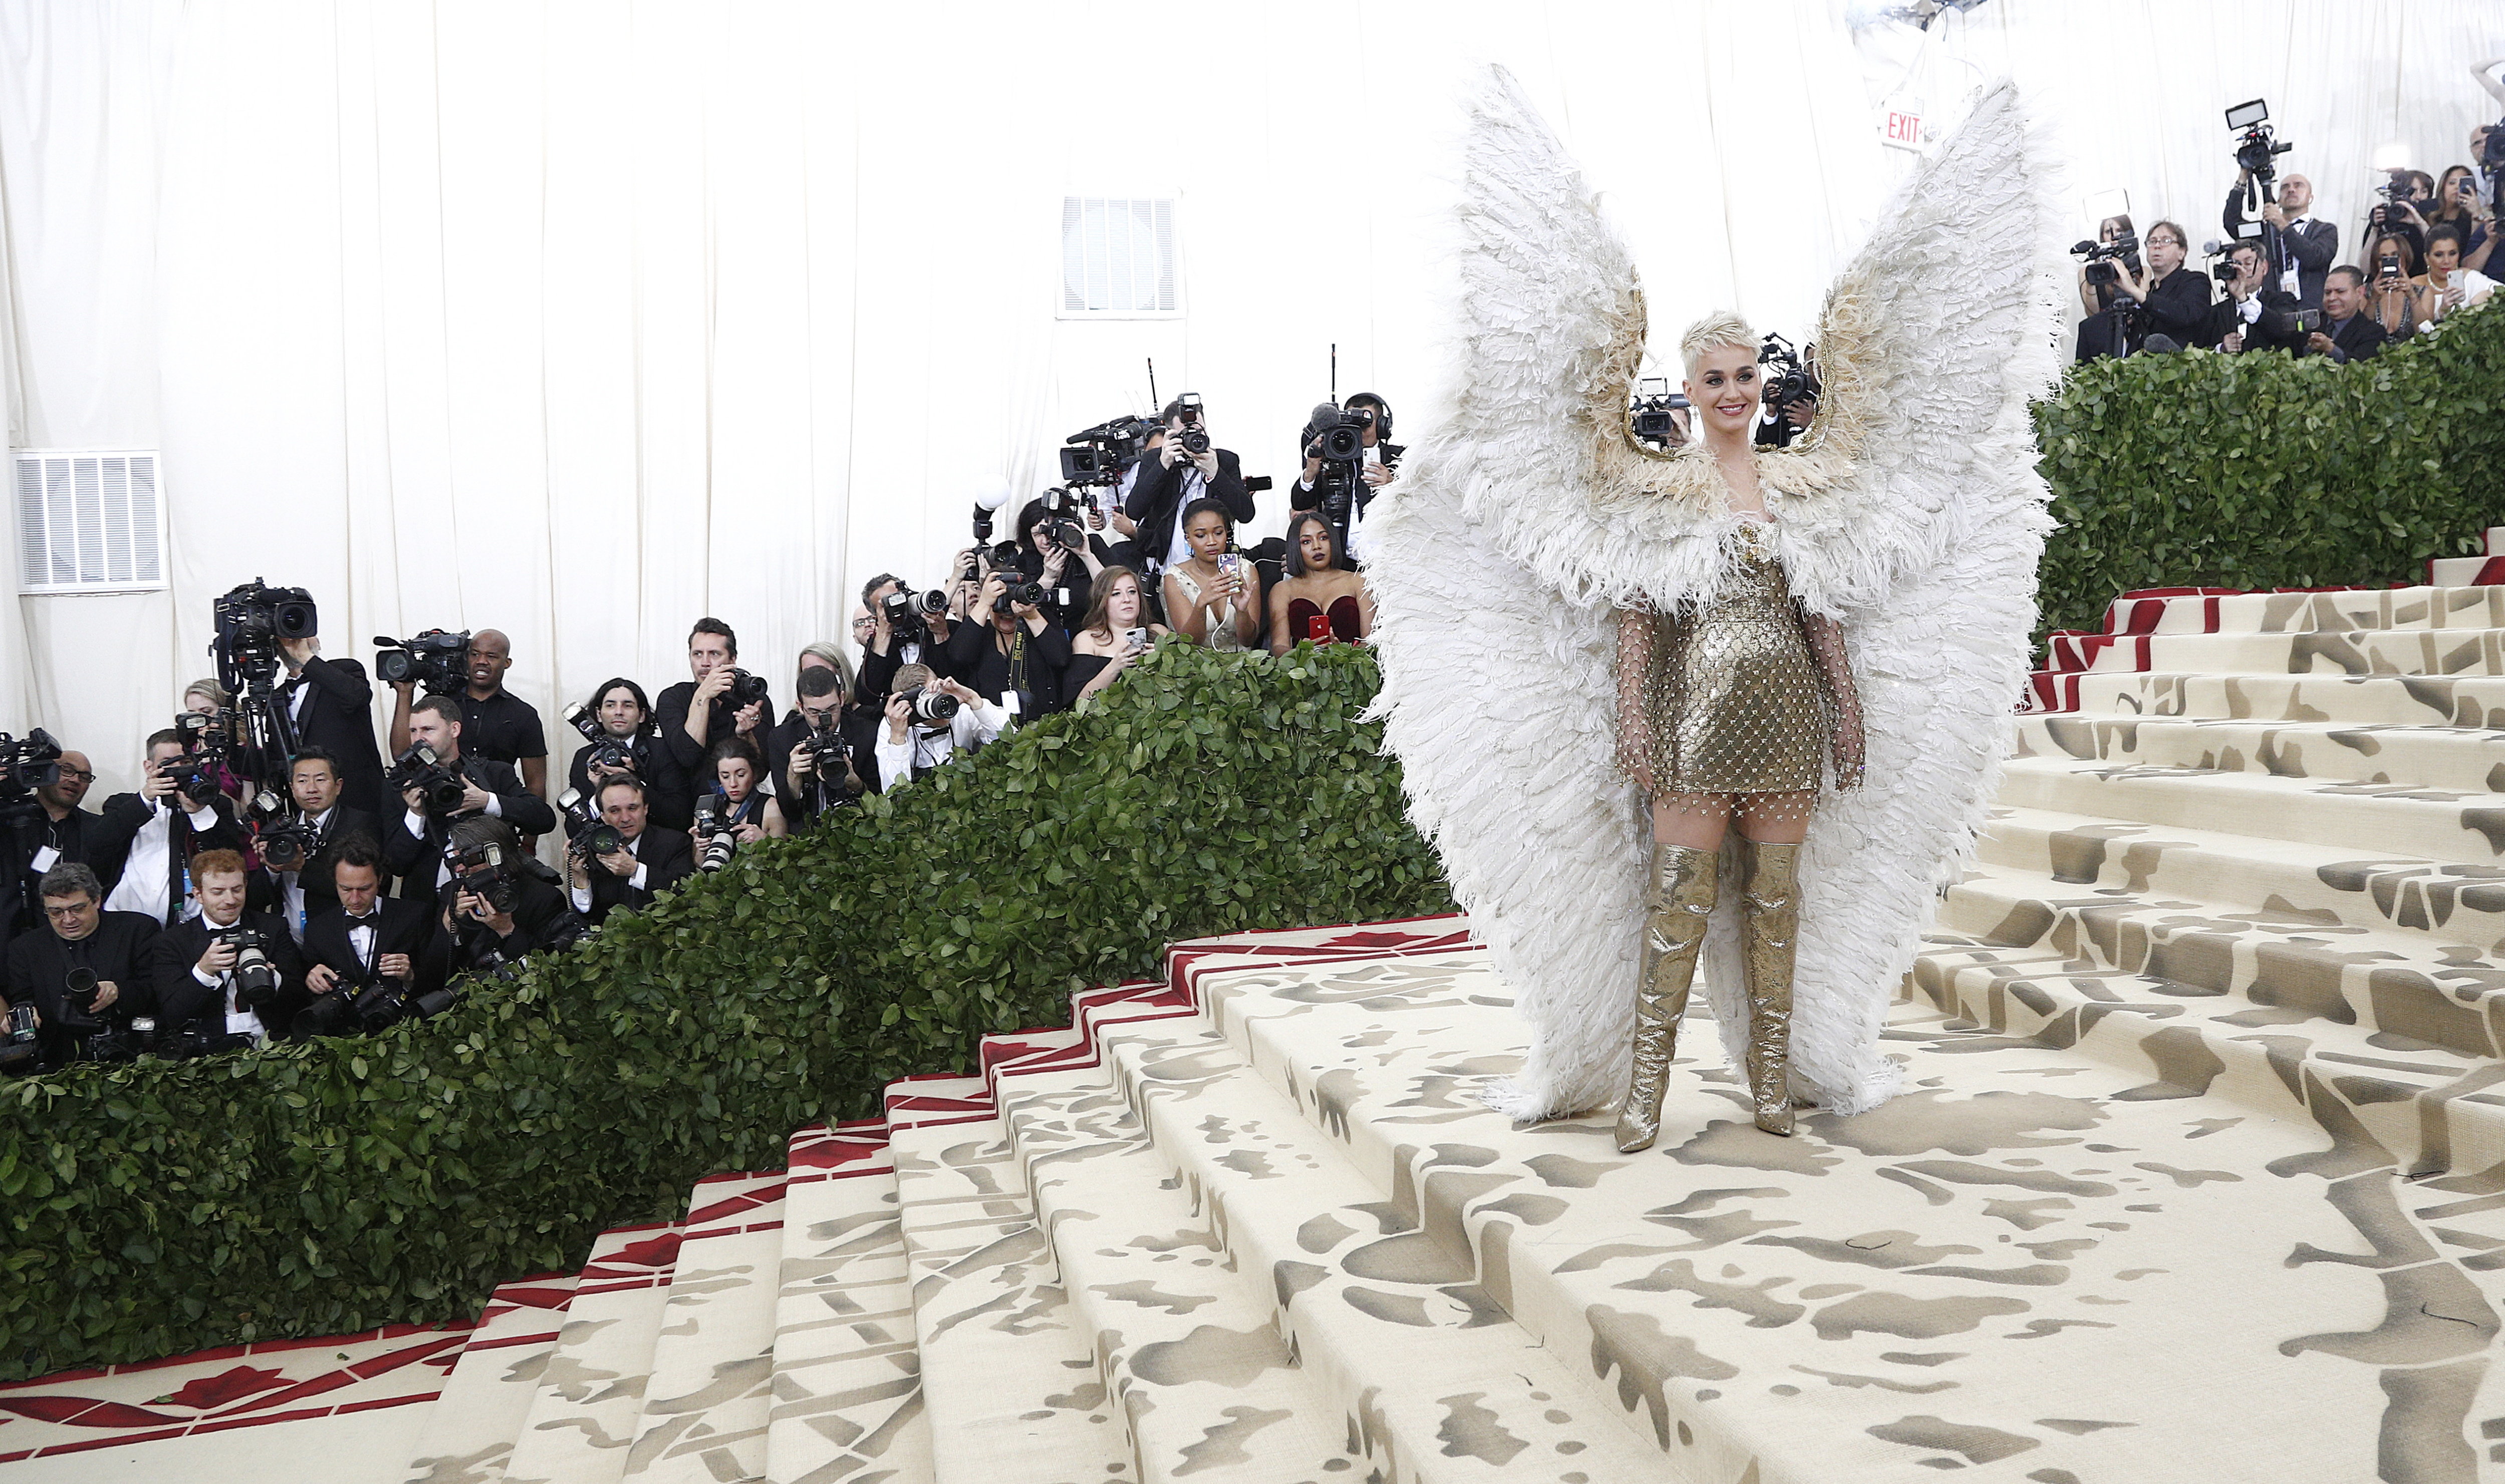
(1729, 707)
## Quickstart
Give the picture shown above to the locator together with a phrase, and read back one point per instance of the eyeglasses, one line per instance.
(64, 914)
(78, 774)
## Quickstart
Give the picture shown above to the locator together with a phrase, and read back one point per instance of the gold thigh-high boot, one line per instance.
(1769, 925)
(1675, 913)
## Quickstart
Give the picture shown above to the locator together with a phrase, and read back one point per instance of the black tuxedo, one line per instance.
(118, 951)
(543, 919)
(2311, 244)
(339, 717)
(859, 727)
(2277, 304)
(418, 859)
(668, 857)
(405, 926)
(183, 1000)
(270, 888)
(126, 814)
(1156, 501)
(75, 836)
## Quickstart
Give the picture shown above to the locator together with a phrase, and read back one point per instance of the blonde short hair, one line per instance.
(1721, 327)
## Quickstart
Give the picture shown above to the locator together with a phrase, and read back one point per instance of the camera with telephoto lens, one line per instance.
(586, 834)
(26, 765)
(2255, 150)
(99, 1039)
(830, 758)
(930, 705)
(256, 979)
(1060, 524)
(716, 836)
(250, 622)
(605, 750)
(441, 789)
(20, 1048)
(903, 615)
(192, 776)
(1194, 437)
(438, 662)
(284, 838)
(374, 1005)
(482, 872)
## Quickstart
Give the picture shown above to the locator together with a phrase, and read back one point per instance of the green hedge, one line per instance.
(331, 1188)
(2266, 470)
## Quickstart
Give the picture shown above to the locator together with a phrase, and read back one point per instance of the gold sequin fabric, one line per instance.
(1734, 703)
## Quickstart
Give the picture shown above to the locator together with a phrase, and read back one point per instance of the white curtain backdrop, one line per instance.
(580, 320)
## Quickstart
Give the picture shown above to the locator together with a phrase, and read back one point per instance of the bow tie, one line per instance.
(368, 920)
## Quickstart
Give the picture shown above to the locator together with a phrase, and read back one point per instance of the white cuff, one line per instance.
(638, 880)
(496, 806)
(208, 980)
(415, 823)
(581, 898)
(204, 818)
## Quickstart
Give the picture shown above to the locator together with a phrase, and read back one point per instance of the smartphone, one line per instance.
(1137, 639)
(1229, 564)
(1317, 628)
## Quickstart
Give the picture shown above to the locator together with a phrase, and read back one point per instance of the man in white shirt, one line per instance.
(912, 744)
(146, 843)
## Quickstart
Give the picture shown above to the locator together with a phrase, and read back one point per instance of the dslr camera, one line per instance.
(256, 979)
(484, 873)
(284, 836)
(587, 835)
(716, 837)
(1062, 508)
(745, 690)
(372, 1005)
(908, 616)
(438, 662)
(930, 707)
(1194, 437)
(442, 789)
(100, 1038)
(1015, 589)
(605, 751)
(251, 620)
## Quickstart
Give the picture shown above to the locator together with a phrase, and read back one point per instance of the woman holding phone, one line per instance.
(1319, 598)
(1112, 634)
(1213, 599)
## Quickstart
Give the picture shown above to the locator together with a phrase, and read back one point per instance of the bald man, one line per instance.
(2300, 248)
(495, 723)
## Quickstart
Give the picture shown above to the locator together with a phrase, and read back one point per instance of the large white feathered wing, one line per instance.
(1498, 689)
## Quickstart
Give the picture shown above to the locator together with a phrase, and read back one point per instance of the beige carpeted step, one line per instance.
(2028, 1260)
(847, 1388)
(2333, 888)
(2352, 652)
(1203, 1375)
(1008, 1375)
(470, 1431)
(705, 1406)
(2367, 817)
(1434, 1382)
(2455, 700)
(2469, 759)
(591, 1396)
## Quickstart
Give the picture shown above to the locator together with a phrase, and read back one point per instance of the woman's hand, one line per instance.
(1849, 756)
(748, 834)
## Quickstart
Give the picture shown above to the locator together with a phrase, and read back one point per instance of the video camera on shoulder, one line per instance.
(1098, 454)
(1787, 380)
(26, 765)
(2100, 256)
(1652, 413)
(441, 788)
(437, 661)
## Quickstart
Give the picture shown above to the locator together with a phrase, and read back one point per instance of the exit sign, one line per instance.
(1902, 129)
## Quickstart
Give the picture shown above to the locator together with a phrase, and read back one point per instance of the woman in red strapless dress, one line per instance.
(1319, 598)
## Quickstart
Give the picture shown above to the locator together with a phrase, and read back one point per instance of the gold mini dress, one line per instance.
(1733, 701)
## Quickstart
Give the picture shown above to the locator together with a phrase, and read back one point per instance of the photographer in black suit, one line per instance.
(2348, 332)
(413, 843)
(145, 841)
(503, 906)
(824, 711)
(695, 715)
(625, 720)
(299, 895)
(2254, 316)
(2296, 249)
(2177, 298)
(331, 704)
(1185, 466)
(652, 859)
(112, 946)
(55, 832)
(1381, 457)
(369, 936)
(194, 963)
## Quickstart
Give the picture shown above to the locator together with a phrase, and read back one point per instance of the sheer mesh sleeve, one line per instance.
(1843, 702)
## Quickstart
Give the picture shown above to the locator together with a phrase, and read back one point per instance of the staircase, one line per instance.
(2484, 570)
(2198, 1173)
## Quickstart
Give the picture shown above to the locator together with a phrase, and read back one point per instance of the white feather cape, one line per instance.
(1911, 512)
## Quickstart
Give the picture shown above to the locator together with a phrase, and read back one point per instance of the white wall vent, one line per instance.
(90, 521)
(1117, 258)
